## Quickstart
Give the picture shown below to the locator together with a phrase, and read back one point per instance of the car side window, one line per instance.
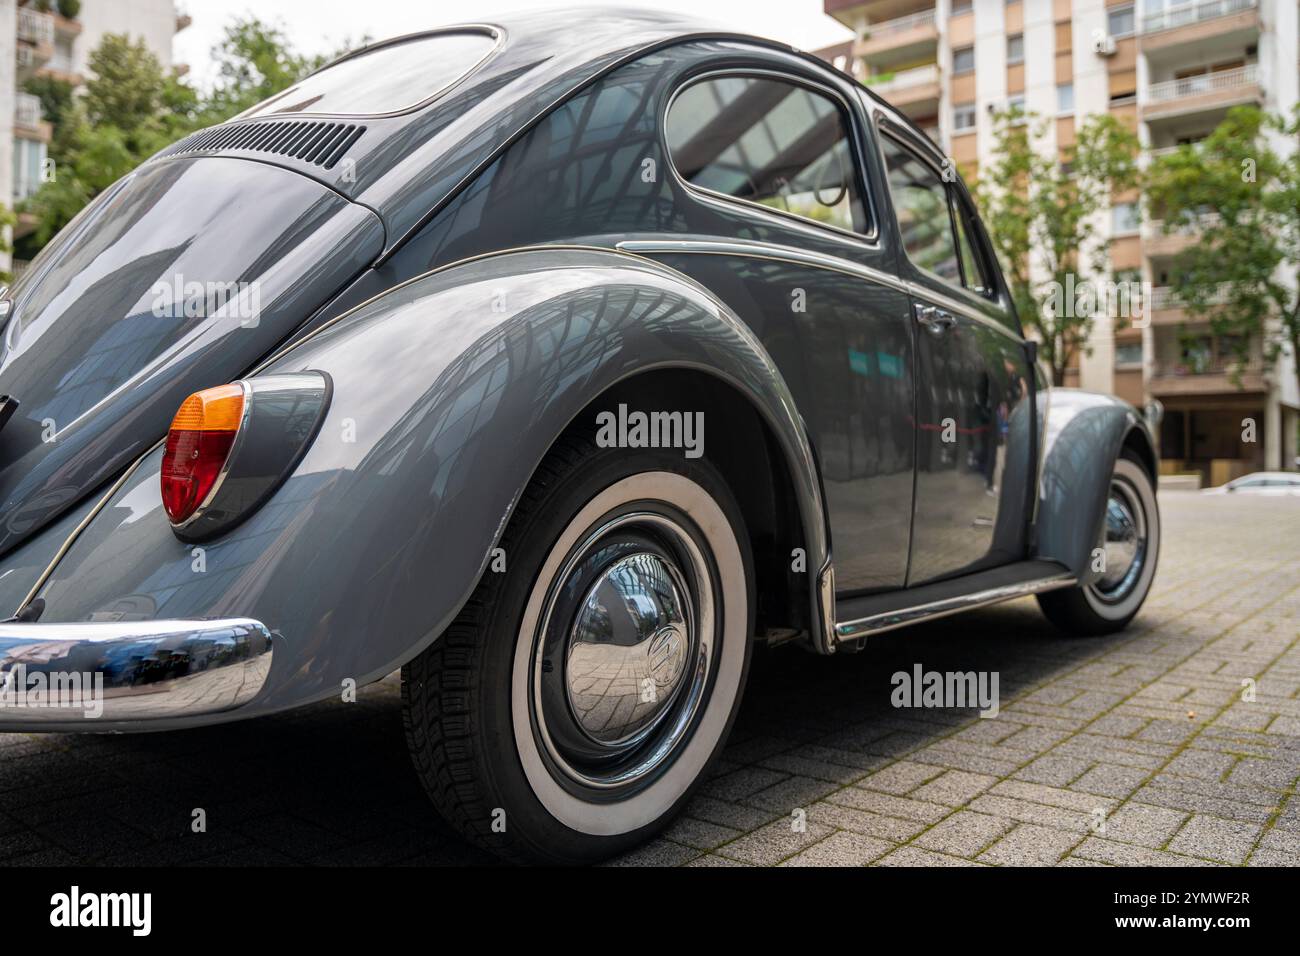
(921, 205)
(770, 142)
(973, 273)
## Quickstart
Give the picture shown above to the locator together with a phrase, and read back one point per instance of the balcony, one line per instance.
(1156, 242)
(1166, 308)
(912, 34)
(1209, 20)
(66, 26)
(29, 122)
(35, 27)
(914, 91)
(35, 33)
(841, 9)
(1208, 377)
(27, 110)
(1203, 92)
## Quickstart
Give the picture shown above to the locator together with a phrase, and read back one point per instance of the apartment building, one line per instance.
(1169, 68)
(56, 39)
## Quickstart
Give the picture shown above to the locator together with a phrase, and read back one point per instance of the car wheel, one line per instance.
(582, 693)
(1130, 541)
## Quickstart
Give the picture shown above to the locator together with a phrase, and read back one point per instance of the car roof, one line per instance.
(404, 165)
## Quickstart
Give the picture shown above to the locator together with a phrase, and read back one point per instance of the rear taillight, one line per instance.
(198, 446)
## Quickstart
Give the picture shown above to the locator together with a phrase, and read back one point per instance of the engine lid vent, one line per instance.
(319, 143)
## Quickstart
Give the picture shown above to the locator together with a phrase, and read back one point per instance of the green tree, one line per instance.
(7, 218)
(255, 61)
(55, 96)
(131, 108)
(1243, 200)
(1043, 219)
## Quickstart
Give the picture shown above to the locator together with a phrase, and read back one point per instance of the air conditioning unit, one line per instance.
(1104, 45)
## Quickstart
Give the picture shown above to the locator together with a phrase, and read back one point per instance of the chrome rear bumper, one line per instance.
(67, 674)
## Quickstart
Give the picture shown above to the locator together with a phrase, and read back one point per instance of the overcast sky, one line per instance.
(322, 25)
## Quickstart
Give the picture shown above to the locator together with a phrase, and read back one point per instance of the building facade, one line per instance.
(1169, 68)
(54, 39)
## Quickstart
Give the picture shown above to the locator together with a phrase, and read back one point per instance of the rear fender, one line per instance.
(448, 391)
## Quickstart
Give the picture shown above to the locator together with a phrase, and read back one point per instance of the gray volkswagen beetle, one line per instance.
(556, 368)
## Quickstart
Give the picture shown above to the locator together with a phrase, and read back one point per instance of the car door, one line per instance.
(974, 415)
(776, 194)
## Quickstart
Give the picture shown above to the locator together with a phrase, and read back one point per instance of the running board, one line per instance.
(860, 617)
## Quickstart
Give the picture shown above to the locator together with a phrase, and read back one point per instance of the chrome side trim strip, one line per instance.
(817, 260)
(889, 620)
(114, 671)
(762, 250)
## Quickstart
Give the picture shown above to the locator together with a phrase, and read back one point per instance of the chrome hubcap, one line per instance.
(628, 649)
(1123, 543)
(625, 653)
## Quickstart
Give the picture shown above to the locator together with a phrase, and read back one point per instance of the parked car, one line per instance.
(1268, 483)
(556, 368)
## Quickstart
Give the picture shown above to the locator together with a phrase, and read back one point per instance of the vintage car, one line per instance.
(555, 367)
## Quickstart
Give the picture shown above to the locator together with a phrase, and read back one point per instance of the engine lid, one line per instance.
(181, 276)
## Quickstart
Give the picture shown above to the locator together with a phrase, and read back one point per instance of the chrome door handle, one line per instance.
(935, 320)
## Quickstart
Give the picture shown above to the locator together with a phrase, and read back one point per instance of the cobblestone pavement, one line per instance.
(1132, 749)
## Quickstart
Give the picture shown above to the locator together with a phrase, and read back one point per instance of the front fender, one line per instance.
(1084, 434)
(448, 391)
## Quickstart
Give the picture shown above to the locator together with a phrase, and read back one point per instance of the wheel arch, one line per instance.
(750, 458)
(1085, 432)
(448, 392)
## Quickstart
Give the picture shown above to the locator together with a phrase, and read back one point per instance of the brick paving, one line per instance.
(1140, 748)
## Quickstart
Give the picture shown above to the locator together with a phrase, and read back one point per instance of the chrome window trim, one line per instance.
(883, 128)
(857, 135)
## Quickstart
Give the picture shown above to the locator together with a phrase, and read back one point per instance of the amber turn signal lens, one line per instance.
(198, 444)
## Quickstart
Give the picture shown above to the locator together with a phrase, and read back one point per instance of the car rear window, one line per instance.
(388, 79)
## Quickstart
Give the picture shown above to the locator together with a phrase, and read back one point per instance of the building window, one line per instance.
(961, 6)
(963, 60)
(1065, 98)
(1128, 353)
(62, 59)
(1124, 217)
(963, 117)
(1015, 49)
(1016, 104)
(29, 158)
(1119, 21)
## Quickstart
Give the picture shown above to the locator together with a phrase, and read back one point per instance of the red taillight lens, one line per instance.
(198, 445)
